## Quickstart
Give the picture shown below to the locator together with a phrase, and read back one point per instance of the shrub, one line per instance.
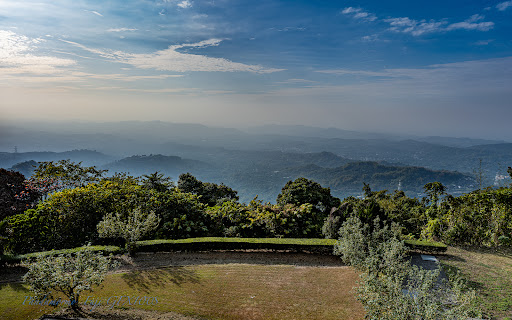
(131, 227)
(67, 274)
(389, 287)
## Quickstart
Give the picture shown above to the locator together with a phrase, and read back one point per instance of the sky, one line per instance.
(418, 67)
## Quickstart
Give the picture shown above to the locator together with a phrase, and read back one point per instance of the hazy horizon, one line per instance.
(442, 69)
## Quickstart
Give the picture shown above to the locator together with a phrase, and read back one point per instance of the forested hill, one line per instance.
(88, 157)
(169, 165)
(263, 173)
(349, 179)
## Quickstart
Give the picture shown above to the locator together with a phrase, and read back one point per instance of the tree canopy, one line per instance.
(302, 191)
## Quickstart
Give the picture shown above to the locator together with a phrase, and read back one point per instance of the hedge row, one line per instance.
(106, 250)
(324, 246)
(428, 246)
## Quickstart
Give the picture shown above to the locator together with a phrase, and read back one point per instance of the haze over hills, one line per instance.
(260, 160)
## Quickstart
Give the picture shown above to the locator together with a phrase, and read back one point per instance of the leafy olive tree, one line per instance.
(131, 226)
(390, 288)
(68, 274)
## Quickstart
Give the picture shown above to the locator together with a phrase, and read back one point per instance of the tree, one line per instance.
(302, 191)
(131, 226)
(69, 274)
(64, 174)
(15, 195)
(157, 181)
(69, 218)
(210, 193)
(26, 168)
(434, 190)
(390, 288)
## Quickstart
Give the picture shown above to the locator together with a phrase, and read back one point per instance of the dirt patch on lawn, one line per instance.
(144, 260)
(112, 314)
(164, 259)
(161, 260)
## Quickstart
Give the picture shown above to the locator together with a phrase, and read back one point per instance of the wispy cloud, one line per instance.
(126, 78)
(17, 57)
(171, 59)
(286, 29)
(358, 13)
(421, 27)
(120, 29)
(94, 12)
(472, 24)
(373, 38)
(471, 75)
(185, 4)
(414, 27)
(356, 72)
(483, 42)
(504, 5)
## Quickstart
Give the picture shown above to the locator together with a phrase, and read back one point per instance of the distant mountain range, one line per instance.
(261, 160)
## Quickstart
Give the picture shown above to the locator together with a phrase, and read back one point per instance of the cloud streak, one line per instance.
(421, 27)
(121, 29)
(17, 57)
(94, 12)
(171, 59)
(358, 13)
(504, 5)
(185, 4)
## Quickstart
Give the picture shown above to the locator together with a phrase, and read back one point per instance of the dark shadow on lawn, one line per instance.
(146, 279)
(260, 257)
(451, 270)
(449, 257)
(14, 286)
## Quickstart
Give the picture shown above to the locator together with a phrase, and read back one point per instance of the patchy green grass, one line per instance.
(221, 291)
(489, 272)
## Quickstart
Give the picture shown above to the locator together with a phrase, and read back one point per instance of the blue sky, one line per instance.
(425, 67)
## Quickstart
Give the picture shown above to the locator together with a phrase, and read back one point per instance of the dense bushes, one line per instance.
(68, 218)
(389, 287)
(304, 209)
(479, 218)
(323, 246)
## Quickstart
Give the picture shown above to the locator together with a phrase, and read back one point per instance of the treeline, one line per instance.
(61, 205)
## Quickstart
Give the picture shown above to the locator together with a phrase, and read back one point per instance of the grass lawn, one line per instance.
(222, 291)
(490, 273)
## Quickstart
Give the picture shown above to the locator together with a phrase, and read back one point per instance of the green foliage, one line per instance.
(294, 221)
(68, 218)
(67, 274)
(131, 226)
(157, 181)
(50, 176)
(479, 218)
(16, 195)
(182, 215)
(265, 220)
(302, 191)
(428, 246)
(331, 226)
(390, 288)
(231, 219)
(323, 246)
(210, 193)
